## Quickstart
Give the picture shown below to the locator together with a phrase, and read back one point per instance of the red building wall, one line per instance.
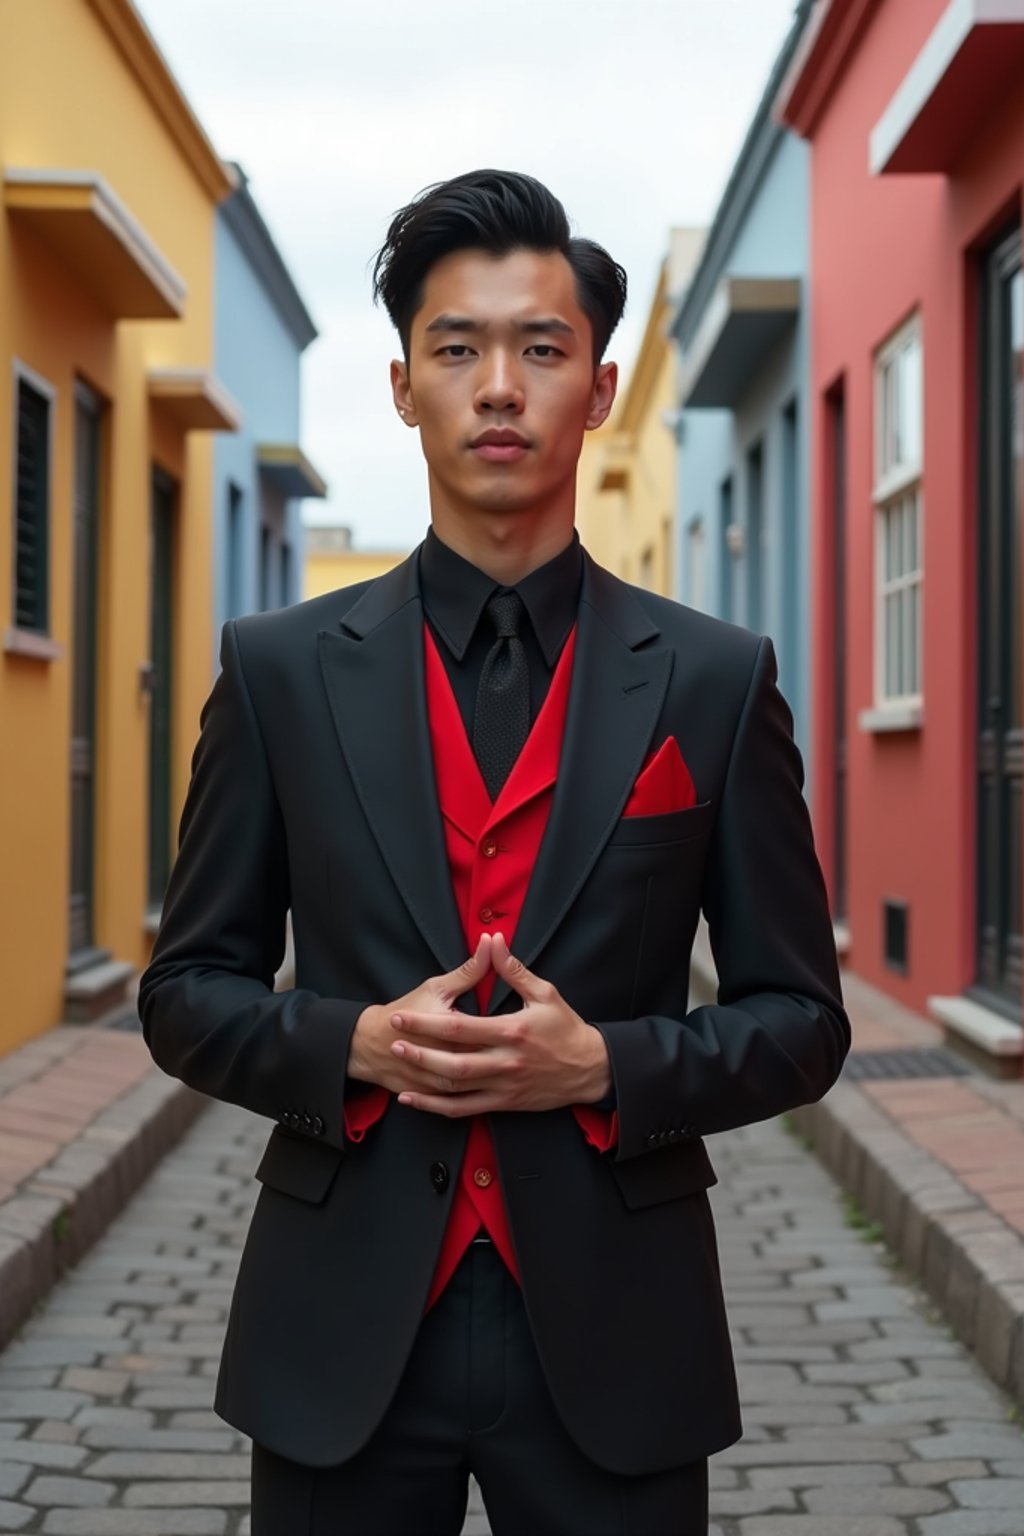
(883, 247)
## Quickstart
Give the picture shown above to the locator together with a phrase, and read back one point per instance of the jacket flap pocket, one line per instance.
(666, 1174)
(297, 1166)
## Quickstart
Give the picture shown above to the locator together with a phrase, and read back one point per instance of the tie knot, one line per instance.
(505, 609)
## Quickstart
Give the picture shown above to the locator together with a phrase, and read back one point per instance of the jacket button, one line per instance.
(485, 914)
(652, 1140)
(482, 1177)
(307, 1122)
(439, 1176)
(673, 1135)
(318, 1126)
(488, 847)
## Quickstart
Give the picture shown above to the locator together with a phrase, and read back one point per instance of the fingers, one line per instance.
(455, 1106)
(453, 1029)
(455, 1073)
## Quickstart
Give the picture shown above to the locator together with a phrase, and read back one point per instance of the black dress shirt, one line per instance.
(455, 594)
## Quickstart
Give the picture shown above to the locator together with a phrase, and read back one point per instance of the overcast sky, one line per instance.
(632, 111)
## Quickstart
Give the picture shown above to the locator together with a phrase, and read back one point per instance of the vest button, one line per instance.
(488, 848)
(485, 914)
(482, 1177)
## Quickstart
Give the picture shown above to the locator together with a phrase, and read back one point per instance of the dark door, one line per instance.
(85, 536)
(1000, 750)
(162, 512)
(836, 406)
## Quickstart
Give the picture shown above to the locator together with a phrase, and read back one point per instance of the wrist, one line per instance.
(598, 1082)
(358, 1066)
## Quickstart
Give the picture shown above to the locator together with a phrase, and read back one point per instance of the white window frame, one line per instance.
(897, 481)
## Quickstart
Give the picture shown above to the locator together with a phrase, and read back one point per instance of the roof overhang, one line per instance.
(971, 57)
(194, 399)
(826, 47)
(286, 467)
(744, 319)
(80, 216)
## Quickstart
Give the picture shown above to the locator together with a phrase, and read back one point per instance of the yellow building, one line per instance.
(332, 562)
(626, 482)
(109, 187)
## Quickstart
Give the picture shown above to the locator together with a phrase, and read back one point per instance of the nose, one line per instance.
(500, 387)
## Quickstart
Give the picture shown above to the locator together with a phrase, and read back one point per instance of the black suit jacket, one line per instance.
(312, 788)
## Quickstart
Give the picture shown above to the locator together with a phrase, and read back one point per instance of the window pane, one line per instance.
(911, 403)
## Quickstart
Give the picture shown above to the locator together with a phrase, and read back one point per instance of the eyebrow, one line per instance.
(466, 324)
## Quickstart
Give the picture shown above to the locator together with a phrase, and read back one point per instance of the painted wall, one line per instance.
(258, 361)
(69, 99)
(327, 570)
(772, 240)
(883, 248)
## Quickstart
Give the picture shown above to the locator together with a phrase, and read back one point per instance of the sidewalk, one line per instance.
(936, 1161)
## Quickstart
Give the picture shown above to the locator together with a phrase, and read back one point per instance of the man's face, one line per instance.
(501, 381)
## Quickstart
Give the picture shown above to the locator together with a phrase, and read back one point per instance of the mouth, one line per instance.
(500, 445)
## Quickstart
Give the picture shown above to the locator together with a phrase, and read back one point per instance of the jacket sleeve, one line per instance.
(209, 1012)
(778, 1034)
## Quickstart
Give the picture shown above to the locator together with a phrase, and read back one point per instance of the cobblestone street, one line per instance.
(864, 1417)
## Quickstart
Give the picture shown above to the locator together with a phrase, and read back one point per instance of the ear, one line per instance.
(606, 381)
(401, 391)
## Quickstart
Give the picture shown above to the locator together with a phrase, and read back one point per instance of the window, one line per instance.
(899, 565)
(32, 509)
(286, 574)
(265, 553)
(755, 538)
(695, 564)
(725, 551)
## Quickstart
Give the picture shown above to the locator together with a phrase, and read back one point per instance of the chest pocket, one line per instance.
(665, 828)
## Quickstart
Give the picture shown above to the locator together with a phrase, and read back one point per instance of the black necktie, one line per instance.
(501, 722)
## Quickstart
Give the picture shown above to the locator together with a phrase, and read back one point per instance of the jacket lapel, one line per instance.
(615, 698)
(372, 669)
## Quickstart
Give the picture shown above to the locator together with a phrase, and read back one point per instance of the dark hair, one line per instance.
(498, 212)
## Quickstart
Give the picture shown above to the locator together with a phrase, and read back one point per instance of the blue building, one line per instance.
(261, 329)
(742, 330)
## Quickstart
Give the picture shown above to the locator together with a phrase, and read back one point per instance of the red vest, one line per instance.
(491, 853)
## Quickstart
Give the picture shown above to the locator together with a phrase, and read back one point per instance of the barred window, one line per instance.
(32, 510)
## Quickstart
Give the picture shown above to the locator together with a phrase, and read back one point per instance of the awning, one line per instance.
(194, 399)
(744, 319)
(972, 58)
(286, 466)
(80, 217)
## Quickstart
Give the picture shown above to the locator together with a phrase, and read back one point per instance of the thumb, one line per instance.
(518, 976)
(472, 970)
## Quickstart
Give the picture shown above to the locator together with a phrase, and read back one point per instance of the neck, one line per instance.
(505, 545)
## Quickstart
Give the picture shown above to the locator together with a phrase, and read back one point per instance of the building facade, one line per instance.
(625, 483)
(108, 398)
(261, 475)
(914, 114)
(331, 561)
(742, 332)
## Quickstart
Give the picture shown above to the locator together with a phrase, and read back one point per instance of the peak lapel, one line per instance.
(373, 671)
(615, 698)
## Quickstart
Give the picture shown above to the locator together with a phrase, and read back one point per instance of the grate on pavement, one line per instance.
(925, 1061)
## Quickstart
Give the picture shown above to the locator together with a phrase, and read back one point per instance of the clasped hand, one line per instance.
(437, 1058)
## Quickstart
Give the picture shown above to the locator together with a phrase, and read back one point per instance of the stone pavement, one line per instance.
(863, 1415)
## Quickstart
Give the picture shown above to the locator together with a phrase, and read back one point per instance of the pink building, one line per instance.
(914, 111)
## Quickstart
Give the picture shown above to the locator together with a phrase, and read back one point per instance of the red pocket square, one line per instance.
(663, 784)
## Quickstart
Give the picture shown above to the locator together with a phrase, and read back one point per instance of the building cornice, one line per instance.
(829, 41)
(246, 223)
(153, 73)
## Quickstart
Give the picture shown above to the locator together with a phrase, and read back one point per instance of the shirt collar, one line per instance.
(455, 593)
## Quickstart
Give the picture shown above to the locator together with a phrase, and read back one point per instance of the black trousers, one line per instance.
(473, 1399)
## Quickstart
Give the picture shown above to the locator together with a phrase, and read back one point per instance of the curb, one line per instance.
(970, 1262)
(60, 1212)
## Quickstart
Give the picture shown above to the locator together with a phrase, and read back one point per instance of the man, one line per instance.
(483, 1240)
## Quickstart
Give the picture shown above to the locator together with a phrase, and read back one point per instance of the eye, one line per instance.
(544, 350)
(454, 349)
